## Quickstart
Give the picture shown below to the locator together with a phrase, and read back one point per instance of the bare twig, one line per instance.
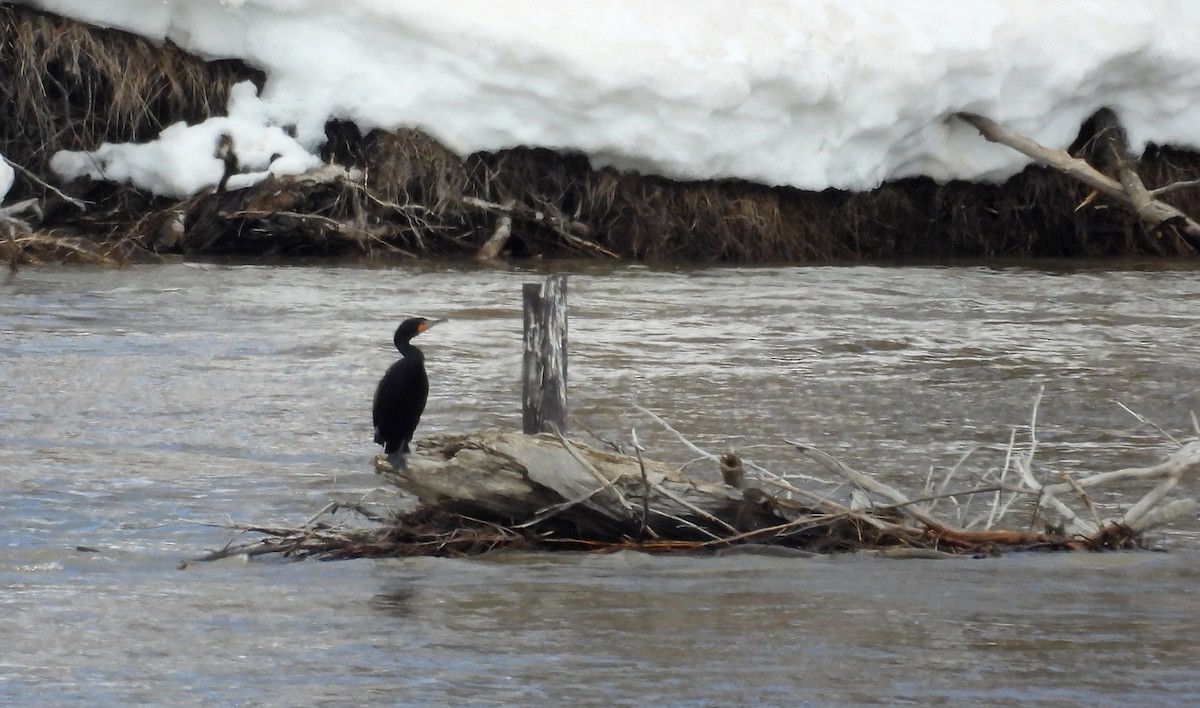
(82, 205)
(916, 511)
(637, 448)
(1083, 495)
(689, 524)
(605, 481)
(1003, 474)
(1174, 186)
(680, 436)
(1146, 421)
(692, 507)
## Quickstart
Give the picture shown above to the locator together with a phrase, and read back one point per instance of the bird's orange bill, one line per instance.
(427, 324)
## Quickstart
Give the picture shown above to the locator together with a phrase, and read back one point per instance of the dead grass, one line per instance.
(71, 86)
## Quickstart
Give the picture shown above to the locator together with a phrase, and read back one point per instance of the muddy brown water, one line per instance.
(140, 405)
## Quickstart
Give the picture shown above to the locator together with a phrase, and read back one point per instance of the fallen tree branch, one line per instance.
(561, 225)
(1186, 459)
(1174, 187)
(1129, 192)
(917, 511)
(82, 205)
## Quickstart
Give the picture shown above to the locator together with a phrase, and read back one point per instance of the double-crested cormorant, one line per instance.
(401, 393)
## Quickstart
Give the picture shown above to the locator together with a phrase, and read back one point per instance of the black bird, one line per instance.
(401, 393)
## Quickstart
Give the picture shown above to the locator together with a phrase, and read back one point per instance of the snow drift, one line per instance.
(808, 93)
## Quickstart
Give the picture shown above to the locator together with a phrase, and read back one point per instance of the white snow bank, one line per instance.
(810, 93)
(183, 160)
(7, 176)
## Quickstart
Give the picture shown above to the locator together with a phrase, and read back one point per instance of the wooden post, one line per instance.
(544, 373)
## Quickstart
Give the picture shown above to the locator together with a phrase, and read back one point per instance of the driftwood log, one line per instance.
(1127, 189)
(550, 483)
(491, 249)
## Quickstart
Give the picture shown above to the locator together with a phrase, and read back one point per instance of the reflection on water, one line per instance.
(140, 403)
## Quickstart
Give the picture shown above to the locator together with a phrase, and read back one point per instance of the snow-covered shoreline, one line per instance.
(223, 177)
(806, 93)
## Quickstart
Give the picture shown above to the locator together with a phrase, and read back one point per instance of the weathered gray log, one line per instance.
(544, 370)
(495, 244)
(1129, 191)
(522, 480)
(44, 185)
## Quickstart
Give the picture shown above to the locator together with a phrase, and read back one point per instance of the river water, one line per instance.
(143, 406)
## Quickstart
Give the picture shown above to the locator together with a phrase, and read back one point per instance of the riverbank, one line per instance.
(401, 194)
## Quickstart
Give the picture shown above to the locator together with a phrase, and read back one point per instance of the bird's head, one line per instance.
(412, 327)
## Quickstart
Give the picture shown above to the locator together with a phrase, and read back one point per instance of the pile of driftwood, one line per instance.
(487, 491)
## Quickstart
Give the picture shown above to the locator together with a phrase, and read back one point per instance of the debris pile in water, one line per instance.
(488, 491)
